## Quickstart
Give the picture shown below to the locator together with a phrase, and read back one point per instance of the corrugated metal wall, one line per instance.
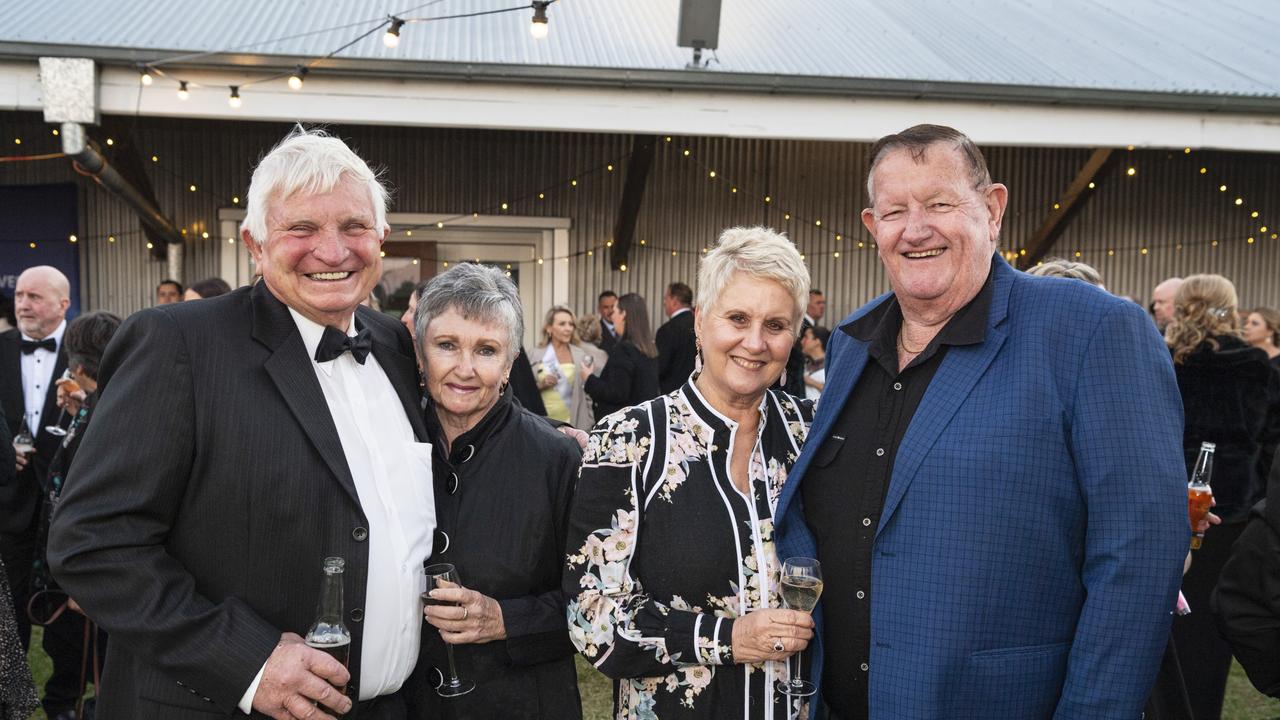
(1165, 203)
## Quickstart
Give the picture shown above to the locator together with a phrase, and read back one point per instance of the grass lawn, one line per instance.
(1242, 702)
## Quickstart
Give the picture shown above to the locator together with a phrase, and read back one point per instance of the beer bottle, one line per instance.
(328, 633)
(1199, 494)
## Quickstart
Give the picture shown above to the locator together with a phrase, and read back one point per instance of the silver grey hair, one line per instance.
(478, 293)
(309, 161)
(1059, 267)
(757, 252)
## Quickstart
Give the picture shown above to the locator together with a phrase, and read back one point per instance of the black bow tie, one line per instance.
(334, 342)
(30, 346)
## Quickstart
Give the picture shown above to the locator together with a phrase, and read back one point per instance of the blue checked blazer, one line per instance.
(1031, 543)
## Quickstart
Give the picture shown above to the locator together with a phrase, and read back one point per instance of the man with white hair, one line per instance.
(238, 442)
(31, 359)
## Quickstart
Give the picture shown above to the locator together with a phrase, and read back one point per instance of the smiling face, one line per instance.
(1256, 332)
(934, 231)
(746, 339)
(321, 255)
(466, 363)
(561, 328)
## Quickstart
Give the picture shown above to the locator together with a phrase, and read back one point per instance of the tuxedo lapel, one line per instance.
(290, 369)
(961, 369)
(401, 371)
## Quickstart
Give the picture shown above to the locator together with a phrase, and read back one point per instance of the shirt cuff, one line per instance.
(713, 640)
(246, 701)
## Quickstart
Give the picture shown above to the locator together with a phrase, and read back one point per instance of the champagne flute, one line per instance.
(801, 588)
(445, 575)
(71, 386)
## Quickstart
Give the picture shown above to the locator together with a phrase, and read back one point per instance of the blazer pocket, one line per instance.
(829, 451)
(1014, 682)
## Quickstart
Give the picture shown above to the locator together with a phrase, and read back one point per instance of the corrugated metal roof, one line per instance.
(1223, 48)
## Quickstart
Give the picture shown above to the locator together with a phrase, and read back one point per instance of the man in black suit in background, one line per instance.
(677, 344)
(239, 441)
(31, 359)
(605, 304)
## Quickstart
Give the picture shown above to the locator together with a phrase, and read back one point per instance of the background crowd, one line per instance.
(441, 440)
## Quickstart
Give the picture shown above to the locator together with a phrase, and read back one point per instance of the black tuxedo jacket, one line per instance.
(205, 496)
(20, 498)
(677, 349)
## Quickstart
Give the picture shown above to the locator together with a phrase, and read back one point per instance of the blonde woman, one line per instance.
(555, 367)
(1231, 396)
(672, 576)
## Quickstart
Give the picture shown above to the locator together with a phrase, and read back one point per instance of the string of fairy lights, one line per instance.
(391, 26)
(830, 233)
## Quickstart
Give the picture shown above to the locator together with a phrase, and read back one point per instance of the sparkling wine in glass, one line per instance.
(24, 443)
(445, 575)
(71, 386)
(801, 588)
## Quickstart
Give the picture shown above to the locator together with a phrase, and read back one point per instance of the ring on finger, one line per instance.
(778, 646)
(465, 612)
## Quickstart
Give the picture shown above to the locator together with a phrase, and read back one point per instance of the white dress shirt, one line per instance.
(37, 376)
(392, 473)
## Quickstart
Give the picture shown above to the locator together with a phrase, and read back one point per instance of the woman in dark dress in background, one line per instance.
(631, 375)
(1231, 395)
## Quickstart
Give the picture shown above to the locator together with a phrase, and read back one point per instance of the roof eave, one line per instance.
(674, 79)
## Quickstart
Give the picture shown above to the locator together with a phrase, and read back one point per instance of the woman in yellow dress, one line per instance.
(555, 366)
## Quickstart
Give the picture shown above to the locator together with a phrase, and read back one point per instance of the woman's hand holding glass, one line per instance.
(770, 634)
(469, 618)
(70, 395)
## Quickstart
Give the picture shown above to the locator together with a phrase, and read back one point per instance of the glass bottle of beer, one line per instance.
(1199, 494)
(328, 633)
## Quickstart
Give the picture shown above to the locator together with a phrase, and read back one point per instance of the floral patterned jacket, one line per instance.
(665, 552)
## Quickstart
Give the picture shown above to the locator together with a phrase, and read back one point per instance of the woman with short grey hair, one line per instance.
(673, 580)
(503, 483)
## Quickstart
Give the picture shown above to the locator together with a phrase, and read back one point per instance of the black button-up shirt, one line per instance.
(844, 489)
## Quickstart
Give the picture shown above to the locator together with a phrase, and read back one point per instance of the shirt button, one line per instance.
(451, 485)
(864, 667)
(879, 452)
(897, 386)
(866, 522)
(359, 534)
(357, 614)
(861, 594)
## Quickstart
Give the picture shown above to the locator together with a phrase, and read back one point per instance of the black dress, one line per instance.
(502, 505)
(629, 378)
(665, 553)
(1231, 397)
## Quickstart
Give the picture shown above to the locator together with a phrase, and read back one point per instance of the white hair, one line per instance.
(478, 293)
(759, 252)
(309, 161)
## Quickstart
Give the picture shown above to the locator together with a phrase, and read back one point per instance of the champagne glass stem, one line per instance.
(453, 668)
(797, 680)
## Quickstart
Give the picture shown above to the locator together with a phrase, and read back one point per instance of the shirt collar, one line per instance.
(311, 332)
(56, 334)
(810, 320)
(967, 327)
(680, 311)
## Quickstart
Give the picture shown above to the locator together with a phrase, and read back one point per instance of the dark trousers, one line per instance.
(1204, 656)
(385, 707)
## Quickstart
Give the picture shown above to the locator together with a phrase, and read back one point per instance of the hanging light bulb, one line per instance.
(295, 80)
(234, 100)
(183, 94)
(539, 27)
(144, 76)
(392, 38)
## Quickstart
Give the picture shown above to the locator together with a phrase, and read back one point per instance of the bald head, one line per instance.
(40, 301)
(1162, 301)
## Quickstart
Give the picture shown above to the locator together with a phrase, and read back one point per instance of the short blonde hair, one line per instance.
(758, 252)
(1204, 307)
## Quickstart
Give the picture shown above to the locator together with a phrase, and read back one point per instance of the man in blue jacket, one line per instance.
(994, 478)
